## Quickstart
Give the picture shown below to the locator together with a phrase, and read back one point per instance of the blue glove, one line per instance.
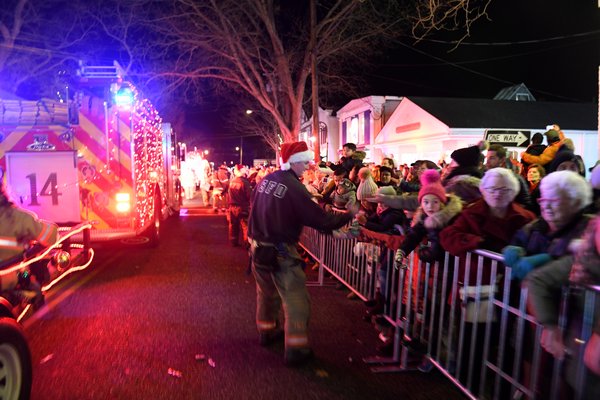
(526, 264)
(512, 254)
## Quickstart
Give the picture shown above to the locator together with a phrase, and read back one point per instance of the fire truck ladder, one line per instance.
(101, 72)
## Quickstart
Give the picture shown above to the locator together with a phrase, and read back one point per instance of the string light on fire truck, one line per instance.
(141, 111)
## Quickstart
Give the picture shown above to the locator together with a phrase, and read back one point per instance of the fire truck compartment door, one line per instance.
(45, 183)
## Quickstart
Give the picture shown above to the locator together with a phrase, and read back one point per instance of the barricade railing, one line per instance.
(464, 316)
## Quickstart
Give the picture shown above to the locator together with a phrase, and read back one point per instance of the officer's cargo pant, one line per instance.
(280, 278)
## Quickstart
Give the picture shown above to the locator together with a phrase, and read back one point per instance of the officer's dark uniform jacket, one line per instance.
(282, 206)
(240, 192)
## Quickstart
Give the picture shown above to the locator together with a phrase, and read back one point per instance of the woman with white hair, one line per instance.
(564, 196)
(490, 222)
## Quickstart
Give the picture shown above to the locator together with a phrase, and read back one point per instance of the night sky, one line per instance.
(559, 62)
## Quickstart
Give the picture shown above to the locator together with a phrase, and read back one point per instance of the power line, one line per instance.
(482, 60)
(550, 39)
(483, 74)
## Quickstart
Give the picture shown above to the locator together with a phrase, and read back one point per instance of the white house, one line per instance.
(431, 128)
(361, 120)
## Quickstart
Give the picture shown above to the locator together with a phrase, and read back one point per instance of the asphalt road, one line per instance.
(177, 322)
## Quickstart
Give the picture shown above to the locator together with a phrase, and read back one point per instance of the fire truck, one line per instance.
(103, 155)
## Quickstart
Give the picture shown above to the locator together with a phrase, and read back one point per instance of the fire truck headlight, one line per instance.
(122, 197)
(123, 207)
(123, 203)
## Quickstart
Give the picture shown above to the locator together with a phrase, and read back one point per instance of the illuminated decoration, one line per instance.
(61, 260)
(146, 142)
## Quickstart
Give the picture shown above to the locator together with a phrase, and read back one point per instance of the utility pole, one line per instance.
(314, 86)
(241, 150)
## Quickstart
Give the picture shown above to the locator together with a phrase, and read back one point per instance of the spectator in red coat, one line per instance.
(488, 223)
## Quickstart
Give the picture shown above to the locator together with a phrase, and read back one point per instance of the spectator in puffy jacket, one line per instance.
(344, 197)
(555, 139)
(564, 197)
(535, 149)
(545, 285)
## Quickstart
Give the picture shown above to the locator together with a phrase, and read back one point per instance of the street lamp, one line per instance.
(241, 149)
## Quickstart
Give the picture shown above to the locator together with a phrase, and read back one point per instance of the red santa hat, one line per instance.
(239, 170)
(292, 152)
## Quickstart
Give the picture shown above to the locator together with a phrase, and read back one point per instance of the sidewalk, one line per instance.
(196, 206)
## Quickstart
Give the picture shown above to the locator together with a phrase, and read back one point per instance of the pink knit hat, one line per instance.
(431, 184)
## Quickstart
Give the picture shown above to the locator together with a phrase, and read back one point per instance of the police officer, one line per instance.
(281, 208)
(240, 195)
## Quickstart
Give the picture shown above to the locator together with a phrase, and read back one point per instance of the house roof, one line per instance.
(515, 92)
(509, 114)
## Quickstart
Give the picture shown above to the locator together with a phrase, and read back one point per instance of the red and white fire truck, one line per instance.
(103, 156)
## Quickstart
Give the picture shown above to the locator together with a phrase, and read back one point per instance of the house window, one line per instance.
(304, 135)
(361, 129)
(523, 97)
(352, 133)
(357, 129)
(323, 140)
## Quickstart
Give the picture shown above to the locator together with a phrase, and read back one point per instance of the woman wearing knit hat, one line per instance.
(566, 159)
(463, 175)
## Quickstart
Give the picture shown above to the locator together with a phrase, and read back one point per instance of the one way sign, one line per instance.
(508, 137)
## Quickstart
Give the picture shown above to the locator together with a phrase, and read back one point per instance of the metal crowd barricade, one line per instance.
(350, 261)
(467, 318)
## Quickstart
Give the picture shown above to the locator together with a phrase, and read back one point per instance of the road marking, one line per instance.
(56, 298)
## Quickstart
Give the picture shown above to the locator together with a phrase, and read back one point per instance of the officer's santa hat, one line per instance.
(239, 170)
(292, 152)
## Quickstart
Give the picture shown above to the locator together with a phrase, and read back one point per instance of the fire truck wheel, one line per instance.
(154, 230)
(15, 361)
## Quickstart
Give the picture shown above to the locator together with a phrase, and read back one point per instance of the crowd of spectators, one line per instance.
(533, 210)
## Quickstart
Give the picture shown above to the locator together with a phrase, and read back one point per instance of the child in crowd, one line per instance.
(366, 189)
(436, 211)
(344, 196)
